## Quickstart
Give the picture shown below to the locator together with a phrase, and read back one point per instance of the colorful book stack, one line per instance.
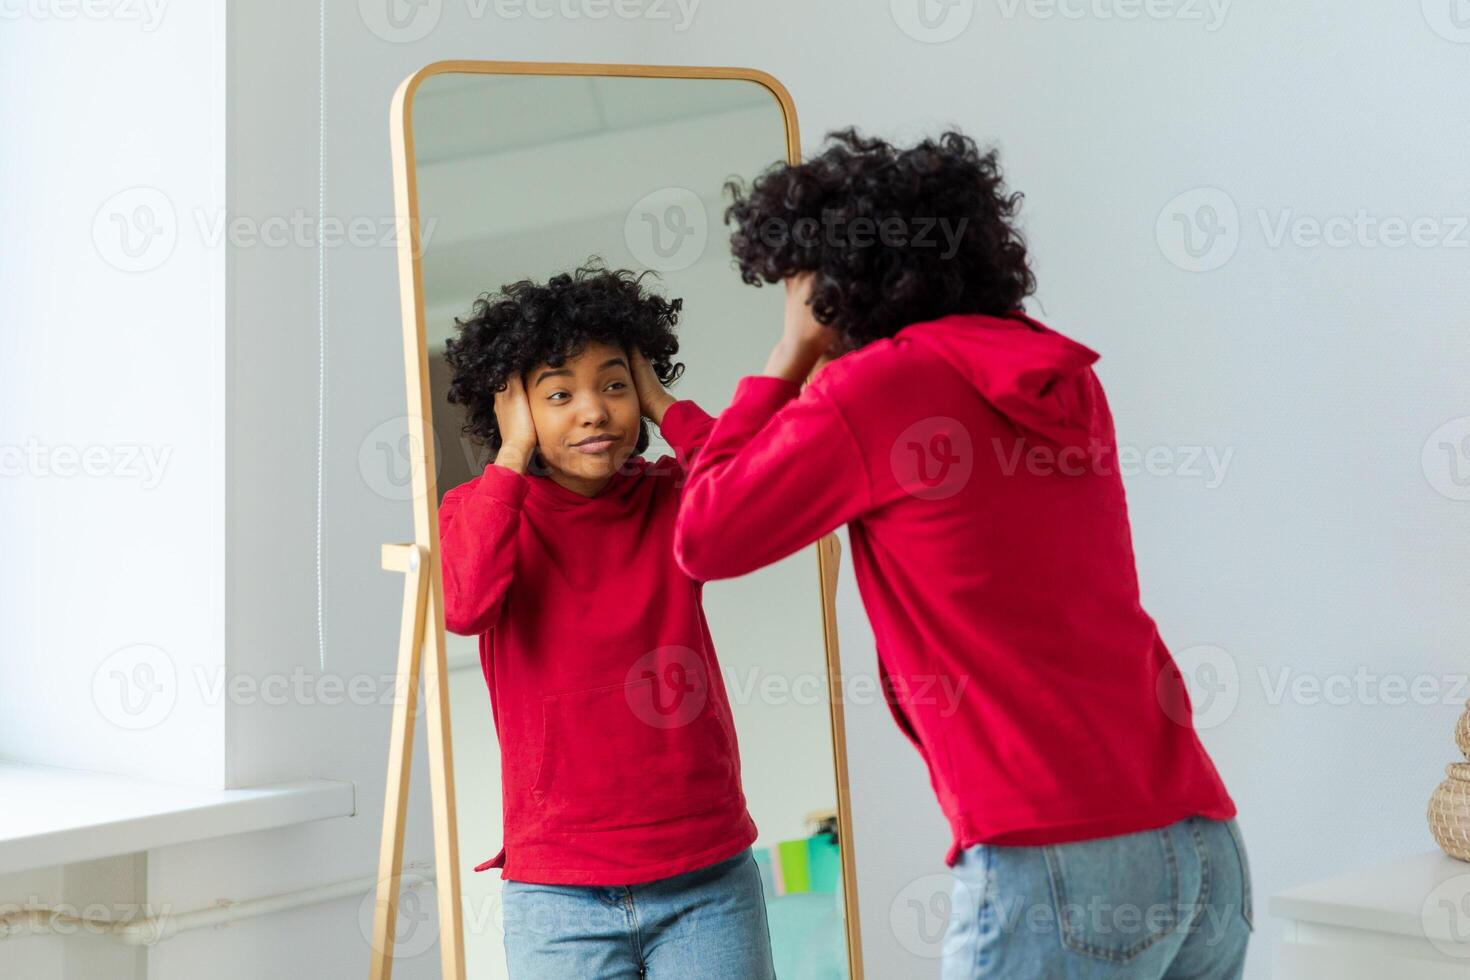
(802, 883)
(796, 867)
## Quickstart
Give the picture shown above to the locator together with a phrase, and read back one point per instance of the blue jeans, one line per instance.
(1163, 904)
(707, 923)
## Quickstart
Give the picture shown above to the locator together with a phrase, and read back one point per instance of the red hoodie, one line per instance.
(974, 462)
(619, 763)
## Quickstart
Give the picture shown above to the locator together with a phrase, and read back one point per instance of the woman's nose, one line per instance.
(594, 410)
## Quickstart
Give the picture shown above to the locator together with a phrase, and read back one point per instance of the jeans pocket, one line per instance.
(1115, 896)
(1245, 873)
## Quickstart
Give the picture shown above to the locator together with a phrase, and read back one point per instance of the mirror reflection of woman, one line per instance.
(627, 841)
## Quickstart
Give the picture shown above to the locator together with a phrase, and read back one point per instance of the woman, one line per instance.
(627, 838)
(970, 451)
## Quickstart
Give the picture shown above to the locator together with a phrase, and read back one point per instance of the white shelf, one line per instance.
(1389, 897)
(56, 816)
(1405, 919)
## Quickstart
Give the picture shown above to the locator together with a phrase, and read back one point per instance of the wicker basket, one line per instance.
(1449, 809)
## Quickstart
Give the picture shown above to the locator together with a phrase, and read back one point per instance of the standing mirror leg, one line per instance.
(408, 559)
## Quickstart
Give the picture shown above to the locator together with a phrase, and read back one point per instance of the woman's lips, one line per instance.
(592, 448)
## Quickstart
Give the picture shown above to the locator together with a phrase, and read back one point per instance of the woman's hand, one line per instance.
(804, 341)
(517, 427)
(653, 398)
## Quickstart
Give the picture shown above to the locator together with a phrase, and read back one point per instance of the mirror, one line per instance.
(513, 172)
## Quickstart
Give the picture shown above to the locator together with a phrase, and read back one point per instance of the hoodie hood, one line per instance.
(1031, 374)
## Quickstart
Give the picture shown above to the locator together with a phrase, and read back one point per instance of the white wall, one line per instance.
(1327, 547)
(112, 407)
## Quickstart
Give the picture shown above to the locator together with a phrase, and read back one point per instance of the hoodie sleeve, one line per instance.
(477, 547)
(686, 428)
(781, 468)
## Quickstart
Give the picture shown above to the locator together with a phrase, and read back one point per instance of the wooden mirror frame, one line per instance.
(423, 597)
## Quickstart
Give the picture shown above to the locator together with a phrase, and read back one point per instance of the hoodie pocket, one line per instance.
(632, 754)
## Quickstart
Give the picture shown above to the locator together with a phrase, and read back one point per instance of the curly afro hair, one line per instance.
(527, 324)
(895, 236)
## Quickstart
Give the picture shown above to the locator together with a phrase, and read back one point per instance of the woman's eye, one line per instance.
(618, 384)
(554, 394)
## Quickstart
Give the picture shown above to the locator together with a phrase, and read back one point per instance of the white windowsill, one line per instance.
(54, 816)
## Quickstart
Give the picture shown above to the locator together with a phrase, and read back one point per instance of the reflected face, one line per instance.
(587, 415)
